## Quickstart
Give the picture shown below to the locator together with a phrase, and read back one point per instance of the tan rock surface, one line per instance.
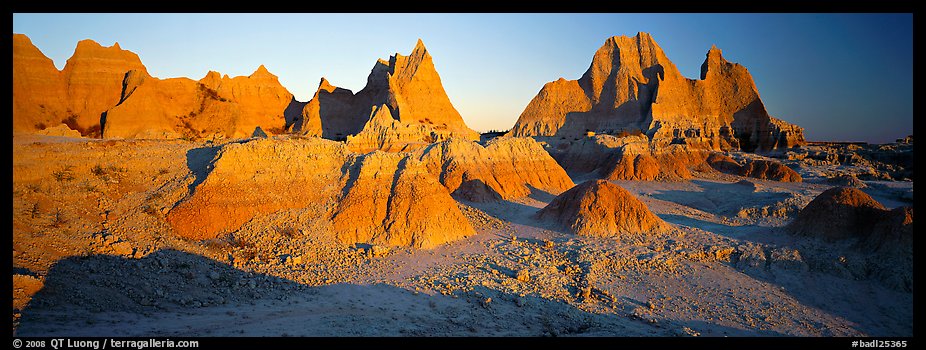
(59, 130)
(619, 93)
(256, 178)
(374, 198)
(754, 168)
(599, 208)
(505, 168)
(390, 202)
(38, 88)
(94, 76)
(215, 107)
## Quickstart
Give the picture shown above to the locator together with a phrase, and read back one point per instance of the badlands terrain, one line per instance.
(632, 201)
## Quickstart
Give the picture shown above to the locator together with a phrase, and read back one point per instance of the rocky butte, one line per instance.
(107, 92)
(632, 86)
(403, 103)
(79, 95)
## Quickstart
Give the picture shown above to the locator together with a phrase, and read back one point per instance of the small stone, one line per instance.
(214, 275)
(523, 275)
(378, 251)
(123, 248)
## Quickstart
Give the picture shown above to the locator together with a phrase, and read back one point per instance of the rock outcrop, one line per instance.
(628, 158)
(505, 168)
(214, 107)
(60, 130)
(107, 91)
(94, 77)
(405, 89)
(394, 199)
(38, 90)
(389, 202)
(599, 208)
(839, 213)
(375, 198)
(632, 86)
(754, 168)
(89, 85)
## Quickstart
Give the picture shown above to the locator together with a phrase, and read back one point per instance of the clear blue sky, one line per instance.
(840, 76)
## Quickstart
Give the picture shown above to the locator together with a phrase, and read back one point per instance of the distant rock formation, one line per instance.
(214, 107)
(599, 208)
(60, 130)
(395, 199)
(632, 86)
(754, 168)
(403, 103)
(505, 168)
(107, 91)
(89, 85)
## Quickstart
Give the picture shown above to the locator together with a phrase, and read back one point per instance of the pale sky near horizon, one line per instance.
(840, 76)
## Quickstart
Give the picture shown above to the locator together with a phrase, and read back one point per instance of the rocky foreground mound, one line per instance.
(845, 212)
(632, 86)
(403, 103)
(599, 208)
(394, 199)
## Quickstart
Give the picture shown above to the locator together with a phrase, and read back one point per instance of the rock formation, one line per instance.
(376, 198)
(214, 107)
(38, 89)
(94, 77)
(395, 199)
(629, 158)
(405, 89)
(754, 168)
(632, 86)
(89, 85)
(389, 202)
(60, 130)
(505, 168)
(839, 213)
(109, 88)
(599, 208)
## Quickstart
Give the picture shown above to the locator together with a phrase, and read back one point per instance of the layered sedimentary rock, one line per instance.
(505, 168)
(397, 199)
(89, 85)
(755, 168)
(38, 90)
(388, 201)
(629, 158)
(109, 88)
(374, 198)
(216, 106)
(599, 208)
(94, 77)
(409, 89)
(631, 85)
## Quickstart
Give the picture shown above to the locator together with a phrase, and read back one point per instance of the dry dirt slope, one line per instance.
(90, 230)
